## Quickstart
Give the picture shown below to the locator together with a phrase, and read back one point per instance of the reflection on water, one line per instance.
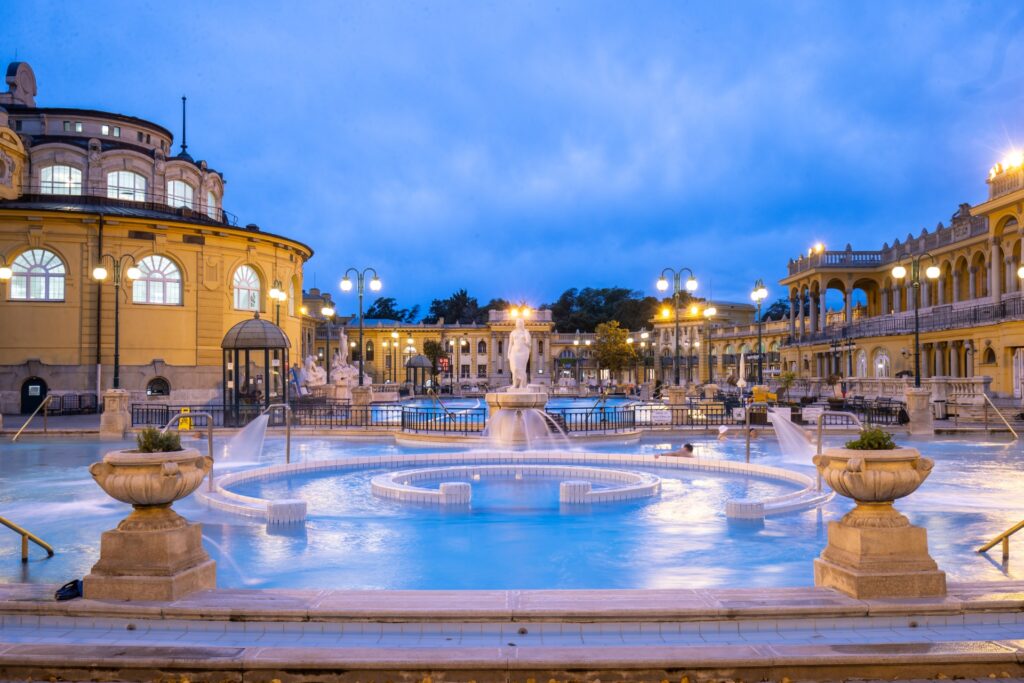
(515, 535)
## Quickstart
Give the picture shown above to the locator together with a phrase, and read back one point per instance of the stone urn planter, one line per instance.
(874, 551)
(154, 553)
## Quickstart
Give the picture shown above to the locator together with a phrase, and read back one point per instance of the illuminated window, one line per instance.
(158, 386)
(38, 275)
(211, 206)
(60, 180)
(247, 289)
(160, 282)
(179, 193)
(126, 185)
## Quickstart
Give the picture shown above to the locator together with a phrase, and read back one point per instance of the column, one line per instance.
(822, 312)
(885, 302)
(995, 278)
(926, 355)
(969, 360)
(896, 298)
(954, 359)
(937, 352)
(972, 290)
(940, 290)
(848, 301)
(801, 317)
(792, 317)
(911, 296)
(926, 293)
(813, 303)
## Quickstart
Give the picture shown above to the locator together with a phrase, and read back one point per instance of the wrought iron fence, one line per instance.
(438, 419)
(599, 419)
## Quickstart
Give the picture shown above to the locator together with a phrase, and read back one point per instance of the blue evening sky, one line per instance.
(520, 148)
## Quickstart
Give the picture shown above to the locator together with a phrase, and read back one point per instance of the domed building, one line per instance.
(101, 222)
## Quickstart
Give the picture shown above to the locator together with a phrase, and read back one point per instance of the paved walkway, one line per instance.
(653, 635)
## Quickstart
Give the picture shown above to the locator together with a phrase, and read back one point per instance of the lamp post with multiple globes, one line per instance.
(99, 273)
(346, 286)
(759, 294)
(691, 286)
(328, 313)
(932, 272)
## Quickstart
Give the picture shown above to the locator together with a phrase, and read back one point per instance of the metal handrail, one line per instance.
(209, 436)
(27, 536)
(603, 399)
(437, 399)
(1016, 437)
(821, 422)
(287, 428)
(45, 402)
(746, 418)
(1005, 538)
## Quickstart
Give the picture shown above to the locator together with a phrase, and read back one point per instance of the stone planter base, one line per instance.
(162, 564)
(879, 562)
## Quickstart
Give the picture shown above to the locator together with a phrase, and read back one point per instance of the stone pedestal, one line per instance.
(151, 563)
(339, 392)
(676, 394)
(513, 414)
(362, 396)
(920, 410)
(116, 418)
(883, 562)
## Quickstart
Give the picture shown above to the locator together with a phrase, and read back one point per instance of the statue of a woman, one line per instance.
(519, 355)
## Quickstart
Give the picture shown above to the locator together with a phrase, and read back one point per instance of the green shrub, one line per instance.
(872, 439)
(152, 440)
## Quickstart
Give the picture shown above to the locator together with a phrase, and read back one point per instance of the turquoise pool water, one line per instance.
(515, 535)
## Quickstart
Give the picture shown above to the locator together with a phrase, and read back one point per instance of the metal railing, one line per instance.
(465, 421)
(43, 405)
(1005, 538)
(606, 419)
(287, 427)
(209, 435)
(988, 402)
(96, 194)
(27, 536)
(834, 413)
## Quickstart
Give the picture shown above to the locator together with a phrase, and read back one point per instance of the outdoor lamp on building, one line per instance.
(899, 271)
(278, 295)
(132, 272)
(5, 270)
(759, 294)
(691, 286)
(346, 286)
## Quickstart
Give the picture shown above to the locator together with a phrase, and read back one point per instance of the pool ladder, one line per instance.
(1005, 538)
(26, 536)
(45, 407)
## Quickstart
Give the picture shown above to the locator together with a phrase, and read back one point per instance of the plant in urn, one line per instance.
(154, 553)
(874, 551)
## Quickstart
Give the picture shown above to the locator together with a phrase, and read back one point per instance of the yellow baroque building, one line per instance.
(83, 189)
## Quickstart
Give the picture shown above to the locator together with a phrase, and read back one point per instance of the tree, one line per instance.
(610, 347)
(460, 307)
(434, 351)
(787, 378)
(386, 308)
(584, 309)
(777, 311)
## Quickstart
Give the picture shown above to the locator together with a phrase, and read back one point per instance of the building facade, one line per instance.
(82, 190)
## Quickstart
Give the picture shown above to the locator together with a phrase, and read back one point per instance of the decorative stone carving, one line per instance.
(154, 553)
(874, 551)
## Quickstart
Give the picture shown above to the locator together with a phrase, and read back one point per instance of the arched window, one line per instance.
(862, 363)
(179, 193)
(38, 275)
(126, 185)
(883, 367)
(369, 351)
(60, 180)
(481, 347)
(158, 386)
(160, 282)
(989, 356)
(247, 289)
(211, 206)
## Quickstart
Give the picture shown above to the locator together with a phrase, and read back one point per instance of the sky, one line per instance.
(517, 149)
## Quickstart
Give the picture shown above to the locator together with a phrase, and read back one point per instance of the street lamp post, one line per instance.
(100, 273)
(932, 272)
(709, 313)
(328, 313)
(395, 356)
(346, 286)
(691, 286)
(278, 295)
(576, 344)
(759, 294)
(632, 371)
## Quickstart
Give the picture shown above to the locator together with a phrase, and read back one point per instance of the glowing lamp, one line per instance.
(665, 313)
(133, 273)
(327, 311)
(1020, 272)
(662, 284)
(394, 335)
(375, 284)
(346, 284)
(303, 310)
(899, 272)
(6, 273)
(629, 340)
(274, 292)
(932, 272)
(691, 284)
(99, 273)
(710, 312)
(1014, 159)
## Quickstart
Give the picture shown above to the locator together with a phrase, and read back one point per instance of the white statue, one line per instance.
(519, 355)
(341, 372)
(342, 348)
(315, 375)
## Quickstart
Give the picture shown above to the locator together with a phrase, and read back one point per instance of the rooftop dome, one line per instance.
(255, 334)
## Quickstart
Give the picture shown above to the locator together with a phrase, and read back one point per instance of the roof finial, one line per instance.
(184, 144)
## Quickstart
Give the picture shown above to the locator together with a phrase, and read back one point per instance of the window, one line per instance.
(464, 372)
(369, 351)
(179, 193)
(147, 138)
(882, 364)
(78, 126)
(139, 136)
(481, 370)
(67, 126)
(117, 131)
(989, 356)
(60, 180)
(481, 347)
(158, 386)
(17, 125)
(105, 129)
(160, 282)
(38, 276)
(211, 206)
(247, 289)
(540, 348)
(126, 185)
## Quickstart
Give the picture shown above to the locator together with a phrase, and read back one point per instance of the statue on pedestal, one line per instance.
(519, 355)
(315, 376)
